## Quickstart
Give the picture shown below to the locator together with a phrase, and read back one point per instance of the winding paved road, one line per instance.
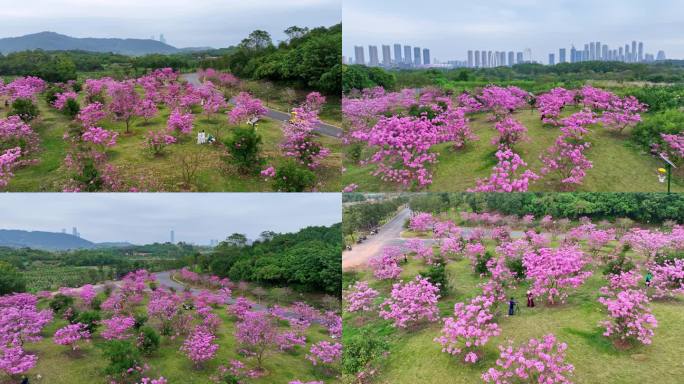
(322, 128)
(389, 235)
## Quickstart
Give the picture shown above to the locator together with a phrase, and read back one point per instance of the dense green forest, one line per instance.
(641, 207)
(531, 77)
(309, 260)
(308, 58)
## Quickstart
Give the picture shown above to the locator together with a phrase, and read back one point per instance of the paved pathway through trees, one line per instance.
(322, 128)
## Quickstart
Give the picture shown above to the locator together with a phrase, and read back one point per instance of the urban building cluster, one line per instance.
(407, 56)
(404, 57)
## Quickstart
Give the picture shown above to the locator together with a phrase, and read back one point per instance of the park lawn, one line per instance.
(414, 356)
(58, 365)
(165, 172)
(618, 166)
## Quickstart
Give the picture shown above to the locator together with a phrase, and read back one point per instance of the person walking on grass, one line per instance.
(511, 306)
(530, 300)
(648, 278)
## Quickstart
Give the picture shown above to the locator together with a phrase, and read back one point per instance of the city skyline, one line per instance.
(497, 25)
(147, 218)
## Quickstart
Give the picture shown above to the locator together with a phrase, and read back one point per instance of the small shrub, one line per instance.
(517, 268)
(71, 108)
(244, 148)
(481, 265)
(361, 350)
(25, 109)
(140, 320)
(60, 303)
(147, 341)
(292, 177)
(437, 274)
(90, 319)
(122, 355)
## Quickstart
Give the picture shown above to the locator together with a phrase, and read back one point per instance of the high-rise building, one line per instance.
(621, 54)
(561, 55)
(426, 56)
(74, 231)
(660, 56)
(519, 58)
(628, 56)
(386, 56)
(604, 52)
(573, 54)
(407, 55)
(162, 39)
(641, 51)
(173, 237)
(585, 54)
(592, 51)
(359, 57)
(485, 64)
(527, 53)
(552, 59)
(397, 54)
(416, 56)
(511, 58)
(598, 50)
(490, 59)
(471, 63)
(477, 59)
(634, 51)
(374, 61)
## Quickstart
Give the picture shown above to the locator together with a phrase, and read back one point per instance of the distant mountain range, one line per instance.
(50, 241)
(51, 41)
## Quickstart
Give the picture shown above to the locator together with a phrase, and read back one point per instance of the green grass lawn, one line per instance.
(618, 166)
(137, 165)
(415, 358)
(57, 365)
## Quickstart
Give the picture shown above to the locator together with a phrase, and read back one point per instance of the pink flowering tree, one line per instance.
(117, 328)
(622, 113)
(246, 108)
(510, 132)
(300, 140)
(385, 265)
(14, 360)
(179, 123)
(99, 138)
(87, 294)
(200, 346)
(508, 175)
(325, 352)
(257, 333)
(552, 103)
(469, 329)
(360, 297)
(15, 133)
(538, 361)
(71, 335)
(147, 109)
(411, 303)
(8, 161)
(61, 99)
(668, 279)
(629, 316)
(420, 250)
(421, 222)
(124, 101)
(649, 243)
(674, 147)
(554, 270)
(157, 141)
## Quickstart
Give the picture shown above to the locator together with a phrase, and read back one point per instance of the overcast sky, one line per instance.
(143, 218)
(184, 23)
(450, 28)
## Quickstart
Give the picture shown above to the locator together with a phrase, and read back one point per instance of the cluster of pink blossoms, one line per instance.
(324, 352)
(246, 108)
(554, 270)
(179, 123)
(510, 132)
(117, 327)
(62, 98)
(8, 161)
(300, 139)
(23, 88)
(100, 137)
(551, 104)
(538, 361)
(421, 250)
(421, 222)
(156, 141)
(507, 175)
(470, 328)
(674, 146)
(630, 318)
(200, 346)
(668, 278)
(411, 303)
(385, 266)
(361, 297)
(15, 133)
(566, 156)
(71, 335)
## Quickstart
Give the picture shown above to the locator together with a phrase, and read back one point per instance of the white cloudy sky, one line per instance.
(449, 28)
(142, 218)
(184, 23)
